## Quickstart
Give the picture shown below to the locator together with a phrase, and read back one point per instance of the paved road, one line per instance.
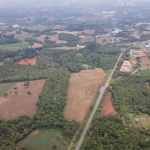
(102, 90)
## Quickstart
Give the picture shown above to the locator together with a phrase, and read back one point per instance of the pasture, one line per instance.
(45, 139)
(18, 102)
(14, 47)
(82, 89)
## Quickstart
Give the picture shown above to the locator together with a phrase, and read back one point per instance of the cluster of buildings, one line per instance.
(147, 46)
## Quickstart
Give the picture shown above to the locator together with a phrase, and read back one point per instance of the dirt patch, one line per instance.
(41, 38)
(143, 54)
(89, 32)
(34, 133)
(107, 106)
(145, 61)
(1, 64)
(20, 103)
(35, 45)
(54, 37)
(68, 32)
(100, 40)
(27, 61)
(82, 89)
(84, 39)
(61, 42)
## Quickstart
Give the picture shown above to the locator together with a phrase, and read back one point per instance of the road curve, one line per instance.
(102, 90)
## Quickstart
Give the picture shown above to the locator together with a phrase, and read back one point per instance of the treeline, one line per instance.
(7, 39)
(108, 133)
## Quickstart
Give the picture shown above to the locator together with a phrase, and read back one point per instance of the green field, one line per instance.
(45, 140)
(14, 47)
(4, 89)
(38, 26)
(143, 73)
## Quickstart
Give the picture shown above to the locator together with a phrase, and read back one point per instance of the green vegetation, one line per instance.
(4, 89)
(46, 139)
(143, 73)
(36, 27)
(14, 47)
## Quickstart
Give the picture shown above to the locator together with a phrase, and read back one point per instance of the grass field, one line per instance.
(143, 73)
(14, 47)
(82, 89)
(65, 48)
(45, 139)
(4, 89)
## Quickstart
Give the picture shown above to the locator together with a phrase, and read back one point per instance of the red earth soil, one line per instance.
(107, 106)
(27, 61)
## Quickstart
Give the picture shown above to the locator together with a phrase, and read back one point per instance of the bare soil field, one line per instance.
(143, 54)
(41, 38)
(82, 89)
(107, 106)
(145, 61)
(36, 45)
(20, 103)
(89, 32)
(21, 36)
(61, 42)
(100, 40)
(1, 64)
(27, 61)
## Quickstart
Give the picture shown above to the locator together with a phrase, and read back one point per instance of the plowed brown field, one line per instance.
(27, 61)
(82, 89)
(19, 104)
(107, 106)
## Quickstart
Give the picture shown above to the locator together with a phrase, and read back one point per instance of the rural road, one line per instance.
(102, 90)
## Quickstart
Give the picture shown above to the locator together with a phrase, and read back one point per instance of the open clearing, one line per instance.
(133, 60)
(36, 27)
(89, 31)
(20, 37)
(27, 61)
(14, 47)
(45, 139)
(82, 89)
(145, 61)
(100, 39)
(65, 48)
(107, 106)
(35, 45)
(84, 39)
(19, 104)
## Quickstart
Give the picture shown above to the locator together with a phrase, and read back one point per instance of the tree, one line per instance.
(27, 84)
(6, 95)
(29, 93)
(54, 147)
